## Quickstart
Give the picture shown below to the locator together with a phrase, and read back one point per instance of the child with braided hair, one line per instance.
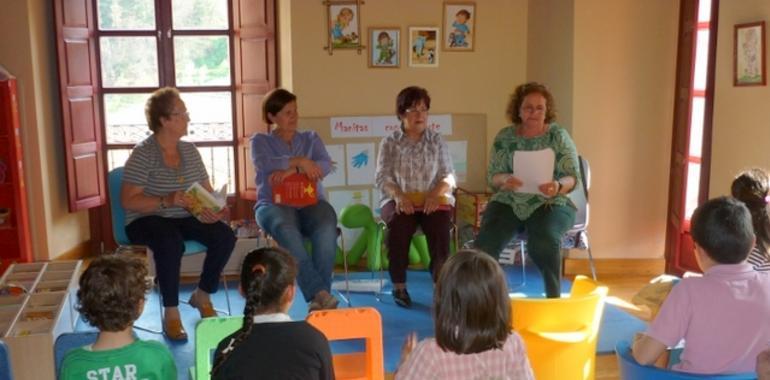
(270, 345)
(752, 187)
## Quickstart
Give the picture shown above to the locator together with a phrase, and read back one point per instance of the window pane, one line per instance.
(220, 165)
(117, 158)
(693, 183)
(199, 14)
(701, 60)
(126, 15)
(704, 10)
(129, 62)
(124, 118)
(202, 61)
(696, 126)
(211, 116)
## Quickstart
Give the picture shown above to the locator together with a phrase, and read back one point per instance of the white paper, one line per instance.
(458, 150)
(360, 163)
(339, 199)
(533, 168)
(337, 176)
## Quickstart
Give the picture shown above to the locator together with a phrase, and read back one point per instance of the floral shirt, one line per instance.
(501, 161)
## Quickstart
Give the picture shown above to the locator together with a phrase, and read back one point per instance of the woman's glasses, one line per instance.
(417, 110)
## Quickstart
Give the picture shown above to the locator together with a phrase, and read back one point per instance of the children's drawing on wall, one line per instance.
(360, 163)
(423, 47)
(344, 25)
(384, 43)
(459, 26)
(337, 176)
(749, 54)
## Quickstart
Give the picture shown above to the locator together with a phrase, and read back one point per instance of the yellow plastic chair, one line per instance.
(561, 333)
(354, 323)
(208, 333)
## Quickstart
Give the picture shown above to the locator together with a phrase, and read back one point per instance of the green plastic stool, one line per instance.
(208, 333)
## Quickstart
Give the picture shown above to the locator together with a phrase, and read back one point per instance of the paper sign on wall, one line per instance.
(381, 126)
(360, 163)
(458, 150)
(337, 176)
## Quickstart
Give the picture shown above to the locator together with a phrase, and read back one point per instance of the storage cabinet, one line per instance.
(15, 245)
(37, 305)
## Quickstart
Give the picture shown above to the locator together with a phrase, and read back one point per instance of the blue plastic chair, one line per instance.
(631, 370)
(6, 372)
(191, 247)
(67, 342)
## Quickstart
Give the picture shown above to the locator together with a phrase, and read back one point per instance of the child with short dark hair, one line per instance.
(472, 316)
(111, 297)
(721, 316)
(751, 187)
(269, 343)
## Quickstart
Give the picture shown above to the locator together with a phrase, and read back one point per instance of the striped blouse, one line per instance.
(145, 168)
(759, 261)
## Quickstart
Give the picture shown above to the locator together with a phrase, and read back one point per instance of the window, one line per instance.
(113, 53)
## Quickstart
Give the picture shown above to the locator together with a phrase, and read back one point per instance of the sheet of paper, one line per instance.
(361, 163)
(533, 168)
(337, 176)
(458, 150)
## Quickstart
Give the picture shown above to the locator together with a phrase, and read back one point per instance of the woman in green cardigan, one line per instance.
(547, 213)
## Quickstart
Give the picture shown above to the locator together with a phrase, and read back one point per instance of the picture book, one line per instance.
(200, 199)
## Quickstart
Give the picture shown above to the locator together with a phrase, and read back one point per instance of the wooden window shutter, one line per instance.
(254, 76)
(79, 90)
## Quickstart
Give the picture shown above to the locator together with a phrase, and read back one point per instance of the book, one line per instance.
(418, 200)
(296, 190)
(199, 199)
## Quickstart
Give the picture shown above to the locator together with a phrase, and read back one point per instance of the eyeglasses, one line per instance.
(185, 113)
(530, 109)
(417, 110)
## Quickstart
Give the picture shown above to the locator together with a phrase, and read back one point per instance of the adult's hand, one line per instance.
(208, 216)
(178, 199)
(311, 169)
(278, 176)
(432, 203)
(550, 189)
(509, 182)
(404, 205)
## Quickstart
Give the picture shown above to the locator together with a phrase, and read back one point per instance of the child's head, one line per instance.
(112, 291)
(471, 307)
(266, 275)
(721, 227)
(383, 37)
(751, 187)
(462, 16)
(345, 15)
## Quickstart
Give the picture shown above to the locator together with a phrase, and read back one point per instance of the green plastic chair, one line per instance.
(208, 333)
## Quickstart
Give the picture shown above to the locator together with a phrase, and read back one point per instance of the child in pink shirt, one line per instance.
(472, 316)
(722, 316)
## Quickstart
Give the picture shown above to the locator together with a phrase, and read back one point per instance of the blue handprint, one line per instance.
(361, 159)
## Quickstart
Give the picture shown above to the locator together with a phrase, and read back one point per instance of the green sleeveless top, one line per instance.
(501, 161)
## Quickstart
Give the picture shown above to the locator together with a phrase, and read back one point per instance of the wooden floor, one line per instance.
(622, 289)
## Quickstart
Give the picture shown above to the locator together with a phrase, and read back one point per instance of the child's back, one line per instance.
(722, 316)
(148, 360)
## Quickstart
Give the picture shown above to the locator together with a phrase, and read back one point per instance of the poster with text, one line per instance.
(337, 175)
(361, 162)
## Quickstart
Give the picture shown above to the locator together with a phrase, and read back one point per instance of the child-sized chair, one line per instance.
(6, 372)
(561, 333)
(354, 323)
(631, 370)
(70, 341)
(208, 333)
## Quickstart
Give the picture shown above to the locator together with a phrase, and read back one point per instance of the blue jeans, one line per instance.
(290, 227)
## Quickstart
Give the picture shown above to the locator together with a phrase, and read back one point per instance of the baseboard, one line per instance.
(638, 267)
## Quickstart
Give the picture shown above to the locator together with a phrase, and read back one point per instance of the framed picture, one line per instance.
(749, 55)
(344, 20)
(384, 45)
(423, 46)
(459, 26)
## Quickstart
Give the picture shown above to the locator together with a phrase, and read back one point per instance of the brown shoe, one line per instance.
(205, 309)
(174, 330)
(322, 301)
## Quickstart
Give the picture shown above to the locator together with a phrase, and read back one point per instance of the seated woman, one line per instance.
(416, 178)
(546, 214)
(270, 345)
(156, 176)
(473, 337)
(277, 155)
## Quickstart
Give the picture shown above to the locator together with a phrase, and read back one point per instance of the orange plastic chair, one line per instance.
(354, 323)
(561, 333)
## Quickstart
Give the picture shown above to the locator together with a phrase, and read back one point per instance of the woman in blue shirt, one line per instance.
(277, 155)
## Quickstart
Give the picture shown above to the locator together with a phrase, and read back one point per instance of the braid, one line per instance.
(265, 275)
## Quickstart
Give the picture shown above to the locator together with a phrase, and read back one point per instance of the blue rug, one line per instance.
(397, 322)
